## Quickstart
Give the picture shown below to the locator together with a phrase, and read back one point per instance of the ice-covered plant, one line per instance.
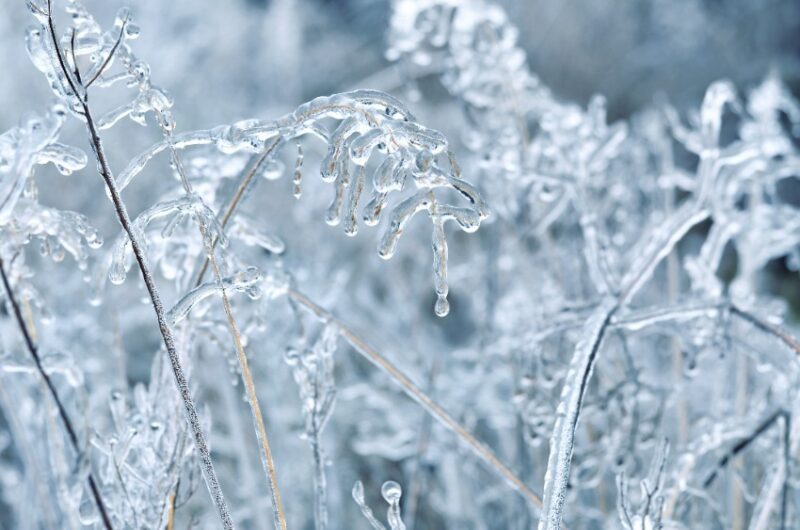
(86, 55)
(635, 285)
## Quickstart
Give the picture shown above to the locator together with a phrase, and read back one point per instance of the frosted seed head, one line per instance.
(358, 493)
(391, 491)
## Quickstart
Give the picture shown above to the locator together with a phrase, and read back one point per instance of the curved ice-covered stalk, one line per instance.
(358, 496)
(367, 121)
(152, 99)
(431, 177)
(389, 175)
(562, 441)
(247, 281)
(336, 167)
(402, 213)
(188, 205)
(356, 188)
(702, 269)
(337, 157)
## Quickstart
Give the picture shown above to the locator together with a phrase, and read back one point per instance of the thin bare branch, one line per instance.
(34, 351)
(107, 61)
(124, 218)
(773, 329)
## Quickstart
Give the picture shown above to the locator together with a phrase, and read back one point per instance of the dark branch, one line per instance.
(105, 64)
(34, 351)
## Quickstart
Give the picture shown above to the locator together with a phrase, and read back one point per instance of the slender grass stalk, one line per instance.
(212, 483)
(320, 482)
(772, 329)
(34, 351)
(244, 184)
(247, 377)
(171, 514)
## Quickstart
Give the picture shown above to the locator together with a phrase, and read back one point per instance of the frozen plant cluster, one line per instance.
(188, 341)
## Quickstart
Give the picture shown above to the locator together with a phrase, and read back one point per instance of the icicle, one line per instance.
(298, 174)
(442, 306)
(401, 215)
(189, 205)
(351, 217)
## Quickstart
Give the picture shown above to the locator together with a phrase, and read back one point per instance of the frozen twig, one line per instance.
(62, 412)
(122, 215)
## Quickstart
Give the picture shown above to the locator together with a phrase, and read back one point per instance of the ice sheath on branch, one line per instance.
(69, 85)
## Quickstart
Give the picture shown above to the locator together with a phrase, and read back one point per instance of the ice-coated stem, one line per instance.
(244, 184)
(209, 474)
(200, 442)
(104, 169)
(563, 440)
(252, 397)
(767, 327)
(34, 351)
(320, 481)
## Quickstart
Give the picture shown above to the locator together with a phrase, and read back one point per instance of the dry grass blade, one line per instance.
(252, 396)
(787, 338)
